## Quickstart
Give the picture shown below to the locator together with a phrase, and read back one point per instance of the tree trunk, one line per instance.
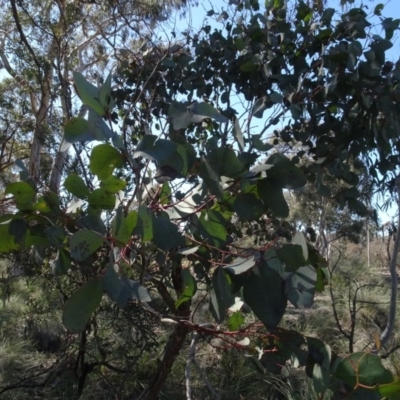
(172, 349)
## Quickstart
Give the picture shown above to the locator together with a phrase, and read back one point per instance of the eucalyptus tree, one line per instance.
(42, 42)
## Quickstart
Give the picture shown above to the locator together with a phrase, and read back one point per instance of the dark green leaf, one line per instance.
(285, 172)
(210, 178)
(132, 290)
(292, 256)
(264, 292)
(84, 243)
(271, 193)
(93, 223)
(248, 207)
(61, 264)
(363, 368)
(220, 295)
(166, 235)
(18, 229)
(112, 283)
(56, 235)
(81, 305)
(259, 107)
(105, 94)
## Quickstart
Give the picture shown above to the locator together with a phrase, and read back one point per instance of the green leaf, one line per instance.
(259, 144)
(88, 93)
(166, 235)
(76, 186)
(179, 114)
(292, 256)
(84, 243)
(122, 227)
(320, 354)
(18, 228)
(81, 305)
(61, 264)
(300, 239)
(235, 321)
(23, 194)
(212, 227)
(101, 199)
(285, 172)
(105, 98)
(248, 207)
(264, 292)
(390, 391)
(363, 368)
(112, 283)
(165, 194)
(238, 134)
(301, 286)
(56, 235)
(241, 265)
(210, 178)
(144, 226)
(220, 295)
(189, 287)
(206, 110)
(104, 159)
(98, 128)
(7, 242)
(77, 130)
(259, 107)
(112, 184)
(225, 162)
(271, 193)
(93, 223)
(132, 290)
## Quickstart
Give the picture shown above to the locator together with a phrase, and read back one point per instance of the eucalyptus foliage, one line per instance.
(179, 175)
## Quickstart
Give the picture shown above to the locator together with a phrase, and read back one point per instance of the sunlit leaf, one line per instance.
(75, 185)
(189, 287)
(104, 159)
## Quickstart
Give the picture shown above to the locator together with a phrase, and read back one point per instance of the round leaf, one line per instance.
(76, 186)
(104, 159)
(102, 199)
(77, 130)
(80, 306)
(84, 243)
(264, 292)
